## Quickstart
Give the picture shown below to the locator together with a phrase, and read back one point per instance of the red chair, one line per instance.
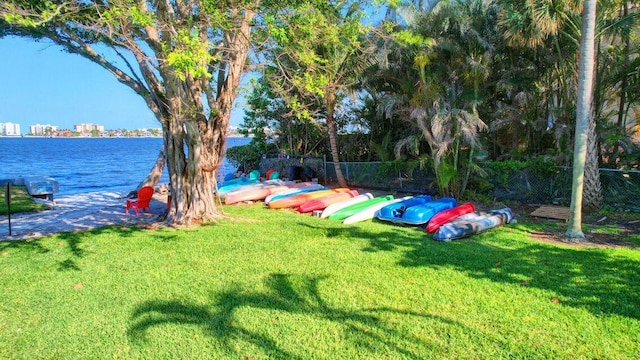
(142, 201)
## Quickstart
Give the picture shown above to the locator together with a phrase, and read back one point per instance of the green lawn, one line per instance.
(289, 286)
(20, 201)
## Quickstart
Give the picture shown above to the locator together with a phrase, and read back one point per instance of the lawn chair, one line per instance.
(142, 201)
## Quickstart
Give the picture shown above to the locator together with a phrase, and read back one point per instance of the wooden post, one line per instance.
(7, 199)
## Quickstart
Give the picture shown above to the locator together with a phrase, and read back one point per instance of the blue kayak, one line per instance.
(236, 183)
(395, 211)
(415, 213)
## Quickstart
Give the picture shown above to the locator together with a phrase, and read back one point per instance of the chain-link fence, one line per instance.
(620, 188)
(384, 176)
(293, 166)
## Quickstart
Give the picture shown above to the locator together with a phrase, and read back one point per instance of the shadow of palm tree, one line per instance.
(595, 279)
(74, 241)
(285, 293)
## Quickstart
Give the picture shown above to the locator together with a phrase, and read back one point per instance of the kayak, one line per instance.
(446, 216)
(416, 214)
(473, 223)
(356, 208)
(292, 192)
(252, 184)
(296, 200)
(324, 201)
(370, 212)
(238, 180)
(259, 193)
(253, 175)
(226, 186)
(395, 211)
(343, 204)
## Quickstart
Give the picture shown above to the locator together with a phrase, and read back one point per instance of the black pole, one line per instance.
(7, 199)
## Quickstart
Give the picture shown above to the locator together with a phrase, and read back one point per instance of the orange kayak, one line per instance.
(322, 202)
(296, 200)
(259, 193)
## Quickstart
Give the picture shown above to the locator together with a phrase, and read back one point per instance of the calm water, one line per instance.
(86, 164)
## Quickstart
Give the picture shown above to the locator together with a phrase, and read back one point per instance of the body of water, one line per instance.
(87, 164)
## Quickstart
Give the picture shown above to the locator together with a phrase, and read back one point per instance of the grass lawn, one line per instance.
(289, 286)
(21, 201)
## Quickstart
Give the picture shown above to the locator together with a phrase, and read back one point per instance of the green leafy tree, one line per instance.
(321, 52)
(184, 58)
(271, 119)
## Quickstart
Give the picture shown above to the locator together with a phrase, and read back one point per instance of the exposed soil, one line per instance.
(620, 228)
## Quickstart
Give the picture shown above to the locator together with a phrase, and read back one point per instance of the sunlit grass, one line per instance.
(21, 201)
(290, 286)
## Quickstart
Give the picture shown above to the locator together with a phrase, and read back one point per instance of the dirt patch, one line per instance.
(604, 231)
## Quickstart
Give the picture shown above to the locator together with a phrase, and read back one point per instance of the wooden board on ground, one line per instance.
(552, 212)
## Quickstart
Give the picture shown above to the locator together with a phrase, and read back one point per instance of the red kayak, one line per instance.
(296, 200)
(446, 216)
(322, 202)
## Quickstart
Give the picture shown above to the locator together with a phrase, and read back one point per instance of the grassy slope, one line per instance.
(20, 201)
(288, 286)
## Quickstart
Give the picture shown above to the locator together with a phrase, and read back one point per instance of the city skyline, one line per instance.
(14, 129)
(44, 84)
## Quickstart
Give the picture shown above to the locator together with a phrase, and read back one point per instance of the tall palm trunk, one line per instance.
(333, 143)
(592, 195)
(583, 113)
(330, 102)
(624, 84)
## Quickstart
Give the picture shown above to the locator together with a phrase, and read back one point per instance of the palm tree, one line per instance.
(583, 115)
(550, 29)
(443, 104)
(540, 20)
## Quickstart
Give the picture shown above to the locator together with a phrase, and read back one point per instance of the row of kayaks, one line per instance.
(443, 217)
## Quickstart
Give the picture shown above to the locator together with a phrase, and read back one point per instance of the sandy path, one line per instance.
(77, 212)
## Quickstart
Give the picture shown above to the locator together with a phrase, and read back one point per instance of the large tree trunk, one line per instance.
(192, 177)
(592, 196)
(153, 177)
(583, 113)
(195, 144)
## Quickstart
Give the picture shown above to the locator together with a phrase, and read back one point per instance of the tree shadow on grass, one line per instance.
(73, 240)
(292, 294)
(599, 280)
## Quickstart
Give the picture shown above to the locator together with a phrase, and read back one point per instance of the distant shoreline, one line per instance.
(97, 137)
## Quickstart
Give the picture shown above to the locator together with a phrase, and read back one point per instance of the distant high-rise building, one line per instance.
(85, 128)
(38, 129)
(9, 129)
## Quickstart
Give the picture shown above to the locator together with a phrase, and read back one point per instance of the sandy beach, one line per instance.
(78, 212)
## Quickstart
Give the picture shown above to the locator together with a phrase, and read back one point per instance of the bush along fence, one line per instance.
(527, 184)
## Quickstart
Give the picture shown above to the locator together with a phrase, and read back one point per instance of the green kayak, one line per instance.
(356, 208)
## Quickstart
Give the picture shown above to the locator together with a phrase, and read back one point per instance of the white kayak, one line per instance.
(370, 212)
(279, 195)
(343, 204)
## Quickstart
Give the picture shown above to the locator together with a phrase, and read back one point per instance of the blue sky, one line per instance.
(41, 84)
